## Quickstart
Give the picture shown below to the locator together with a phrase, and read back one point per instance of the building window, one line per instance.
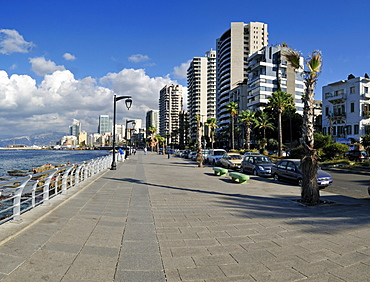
(349, 129)
(356, 129)
(367, 129)
(324, 130)
(352, 107)
(366, 90)
(327, 111)
(352, 90)
(334, 130)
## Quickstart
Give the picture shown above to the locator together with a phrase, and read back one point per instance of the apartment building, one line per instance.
(170, 106)
(105, 124)
(233, 49)
(201, 78)
(269, 71)
(346, 109)
(152, 120)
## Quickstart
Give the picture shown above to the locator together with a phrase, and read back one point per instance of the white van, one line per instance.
(214, 156)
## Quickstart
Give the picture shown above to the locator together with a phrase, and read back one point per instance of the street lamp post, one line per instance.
(128, 102)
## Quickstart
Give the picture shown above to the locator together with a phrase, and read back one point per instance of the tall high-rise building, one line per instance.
(170, 106)
(233, 49)
(105, 124)
(201, 77)
(75, 128)
(152, 120)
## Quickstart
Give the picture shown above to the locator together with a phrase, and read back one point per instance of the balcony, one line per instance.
(336, 98)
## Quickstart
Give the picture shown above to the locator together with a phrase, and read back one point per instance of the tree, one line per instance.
(152, 130)
(199, 143)
(248, 118)
(264, 122)
(212, 125)
(232, 108)
(321, 140)
(309, 163)
(160, 141)
(334, 149)
(279, 102)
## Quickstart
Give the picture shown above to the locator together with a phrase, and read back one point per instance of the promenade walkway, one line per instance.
(160, 219)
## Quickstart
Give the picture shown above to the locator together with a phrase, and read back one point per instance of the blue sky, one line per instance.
(61, 60)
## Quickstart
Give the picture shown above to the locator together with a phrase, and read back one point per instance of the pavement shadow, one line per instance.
(343, 212)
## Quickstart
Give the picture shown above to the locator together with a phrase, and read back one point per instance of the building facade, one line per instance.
(75, 128)
(269, 71)
(152, 120)
(346, 109)
(170, 106)
(233, 49)
(105, 124)
(201, 81)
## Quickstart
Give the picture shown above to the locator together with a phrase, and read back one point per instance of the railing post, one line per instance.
(77, 173)
(65, 179)
(45, 200)
(17, 199)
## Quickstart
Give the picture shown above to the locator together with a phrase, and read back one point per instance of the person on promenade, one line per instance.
(145, 150)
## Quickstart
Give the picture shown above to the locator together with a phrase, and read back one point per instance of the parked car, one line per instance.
(193, 155)
(251, 154)
(205, 154)
(214, 156)
(357, 156)
(290, 170)
(231, 160)
(257, 164)
(185, 154)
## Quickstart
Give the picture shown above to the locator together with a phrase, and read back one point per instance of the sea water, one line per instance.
(28, 159)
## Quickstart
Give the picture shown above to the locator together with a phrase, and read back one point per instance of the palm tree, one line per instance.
(232, 108)
(264, 122)
(152, 130)
(309, 163)
(212, 125)
(199, 143)
(160, 141)
(279, 102)
(248, 118)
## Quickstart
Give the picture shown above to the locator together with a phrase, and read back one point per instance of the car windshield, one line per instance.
(218, 153)
(261, 160)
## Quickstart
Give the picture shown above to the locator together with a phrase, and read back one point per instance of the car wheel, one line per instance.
(276, 177)
(255, 172)
(300, 182)
(214, 163)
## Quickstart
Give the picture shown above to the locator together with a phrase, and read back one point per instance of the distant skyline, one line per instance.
(61, 60)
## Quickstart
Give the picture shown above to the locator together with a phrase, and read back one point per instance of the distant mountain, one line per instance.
(50, 138)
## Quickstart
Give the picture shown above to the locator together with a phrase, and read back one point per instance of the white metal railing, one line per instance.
(21, 194)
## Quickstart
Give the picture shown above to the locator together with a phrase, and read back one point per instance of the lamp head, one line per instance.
(128, 103)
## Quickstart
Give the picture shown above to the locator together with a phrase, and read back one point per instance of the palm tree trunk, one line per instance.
(248, 136)
(280, 136)
(232, 132)
(309, 163)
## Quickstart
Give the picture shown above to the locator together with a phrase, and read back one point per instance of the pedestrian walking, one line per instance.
(145, 150)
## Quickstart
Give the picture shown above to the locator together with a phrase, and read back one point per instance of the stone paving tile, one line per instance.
(22, 275)
(140, 276)
(350, 258)
(285, 274)
(253, 256)
(243, 269)
(9, 262)
(226, 249)
(79, 272)
(214, 260)
(175, 262)
(190, 251)
(200, 273)
(354, 272)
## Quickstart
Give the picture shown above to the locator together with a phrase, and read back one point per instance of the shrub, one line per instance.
(296, 153)
(334, 150)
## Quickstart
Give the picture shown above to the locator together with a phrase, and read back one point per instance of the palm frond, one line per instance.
(314, 63)
(293, 57)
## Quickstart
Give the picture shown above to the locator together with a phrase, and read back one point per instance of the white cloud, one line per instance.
(59, 98)
(42, 67)
(180, 72)
(12, 42)
(69, 57)
(138, 58)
